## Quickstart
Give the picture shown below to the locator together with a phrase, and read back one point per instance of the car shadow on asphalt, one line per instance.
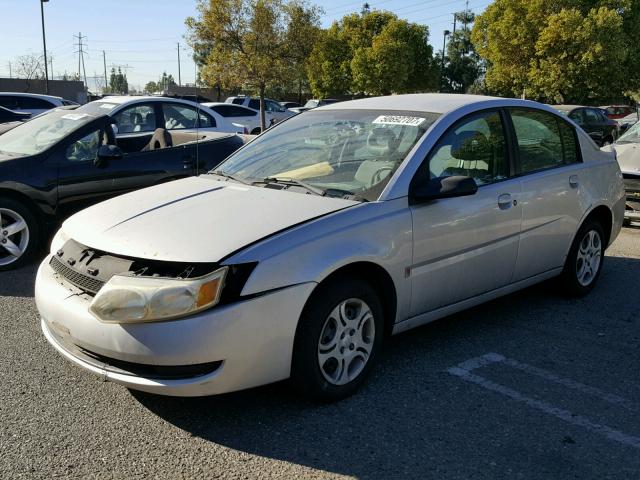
(19, 282)
(407, 401)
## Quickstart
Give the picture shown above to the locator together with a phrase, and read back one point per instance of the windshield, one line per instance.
(337, 151)
(630, 136)
(40, 133)
(97, 108)
(311, 104)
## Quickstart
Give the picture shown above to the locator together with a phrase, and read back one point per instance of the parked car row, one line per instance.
(306, 248)
(66, 160)
(627, 148)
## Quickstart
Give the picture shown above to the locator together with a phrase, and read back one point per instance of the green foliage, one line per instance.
(151, 87)
(118, 82)
(462, 63)
(252, 44)
(565, 51)
(373, 53)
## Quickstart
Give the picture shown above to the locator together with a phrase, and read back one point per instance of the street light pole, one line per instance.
(44, 44)
(444, 46)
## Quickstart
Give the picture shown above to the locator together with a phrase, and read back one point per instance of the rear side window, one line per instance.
(238, 101)
(254, 103)
(475, 147)
(242, 112)
(544, 140)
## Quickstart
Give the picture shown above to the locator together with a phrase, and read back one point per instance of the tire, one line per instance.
(626, 222)
(256, 131)
(20, 234)
(323, 367)
(584, 262)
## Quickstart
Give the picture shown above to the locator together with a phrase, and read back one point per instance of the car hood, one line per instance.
(628, 155)
(198, 219)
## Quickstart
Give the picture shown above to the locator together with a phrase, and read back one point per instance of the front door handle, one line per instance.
(504, 201)
(573, 181)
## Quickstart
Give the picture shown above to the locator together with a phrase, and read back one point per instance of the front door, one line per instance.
(466, 246)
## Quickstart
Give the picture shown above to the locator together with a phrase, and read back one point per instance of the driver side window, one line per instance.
(85, 149)
(475, 147)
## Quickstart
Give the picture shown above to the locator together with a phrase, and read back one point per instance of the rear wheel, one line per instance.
(338, 340)
(19, 234)
(584, 262)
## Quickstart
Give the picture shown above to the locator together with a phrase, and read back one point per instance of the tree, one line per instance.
(569, 51)
(29, 66)
(166, 82)
(118, 82)
(151, 87)
(462, 63)
(373, 53)
(248, 43)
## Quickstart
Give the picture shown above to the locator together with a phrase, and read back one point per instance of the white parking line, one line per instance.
(464, 370)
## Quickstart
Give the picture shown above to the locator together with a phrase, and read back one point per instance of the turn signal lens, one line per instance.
(127, 299)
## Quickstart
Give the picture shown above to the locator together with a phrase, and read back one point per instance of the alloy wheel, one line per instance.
(14, 236)
(588, 258)
(346, 341)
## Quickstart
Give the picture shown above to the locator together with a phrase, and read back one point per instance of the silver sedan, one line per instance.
(301, 253)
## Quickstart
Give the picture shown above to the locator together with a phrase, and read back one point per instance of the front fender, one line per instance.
(376, 232)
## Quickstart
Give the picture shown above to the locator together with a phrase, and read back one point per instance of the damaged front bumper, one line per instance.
(227, 348)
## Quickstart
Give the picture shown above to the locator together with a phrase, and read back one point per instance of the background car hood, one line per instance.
(628, 155)
(198, 219)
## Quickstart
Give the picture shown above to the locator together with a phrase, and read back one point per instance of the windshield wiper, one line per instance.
(229, 176)
(294, 181)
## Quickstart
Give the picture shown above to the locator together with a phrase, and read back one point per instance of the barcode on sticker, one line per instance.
(399, 120)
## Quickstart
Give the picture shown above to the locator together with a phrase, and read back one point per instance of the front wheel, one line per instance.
(338, 339)
(584, 262)
(19, 234)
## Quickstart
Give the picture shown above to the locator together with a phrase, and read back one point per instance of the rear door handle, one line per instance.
(573, 181)
(504, 201)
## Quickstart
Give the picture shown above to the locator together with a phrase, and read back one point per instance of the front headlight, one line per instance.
(127, 299)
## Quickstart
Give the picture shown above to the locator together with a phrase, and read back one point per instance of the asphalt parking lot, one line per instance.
(531, 386)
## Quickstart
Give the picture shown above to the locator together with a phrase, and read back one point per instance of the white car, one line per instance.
(137, 118)
(246, 116)
(627, 149)
(271, 107)
(32, 103)
(325, 234)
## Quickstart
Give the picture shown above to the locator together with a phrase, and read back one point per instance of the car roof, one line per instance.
(421, 102)
(26, 94)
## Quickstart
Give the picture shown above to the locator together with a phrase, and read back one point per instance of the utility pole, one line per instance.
(53, 77)
(455, 17)
(179, 77)
(444, 46)
(44, 44)
(81, 53)
(104, 62)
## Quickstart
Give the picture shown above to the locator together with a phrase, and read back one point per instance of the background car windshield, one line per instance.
(97, 108)
(41, 132)
(350, 150)
(630, 136)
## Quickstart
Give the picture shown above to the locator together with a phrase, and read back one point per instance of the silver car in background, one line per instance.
(329, 232)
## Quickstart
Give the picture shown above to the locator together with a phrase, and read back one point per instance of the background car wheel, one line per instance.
(584, 262)
(256, 131)
(19, 234)
(338, 339)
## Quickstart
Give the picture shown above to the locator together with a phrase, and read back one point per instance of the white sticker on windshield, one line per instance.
(74, 116)
(108, 106)
(399, 120)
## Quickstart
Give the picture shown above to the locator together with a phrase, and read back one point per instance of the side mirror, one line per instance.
(443, 187)
(106, 153)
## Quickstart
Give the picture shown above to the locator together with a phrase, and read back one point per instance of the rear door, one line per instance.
(466, 246)
(550, 167)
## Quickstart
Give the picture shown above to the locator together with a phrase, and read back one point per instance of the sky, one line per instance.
(142, 36)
